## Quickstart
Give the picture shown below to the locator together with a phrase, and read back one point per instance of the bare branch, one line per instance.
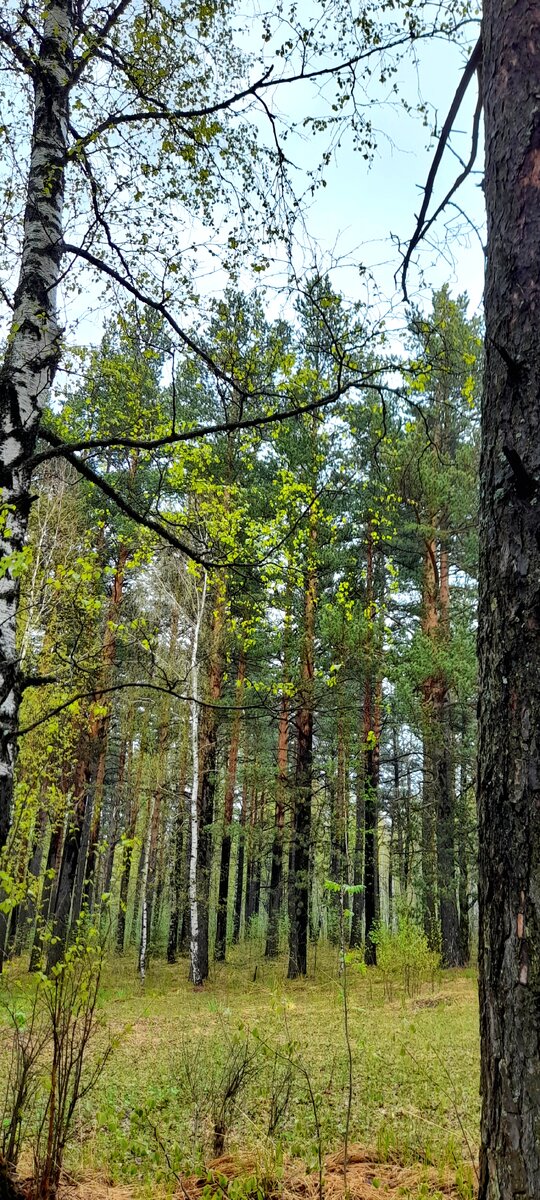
(420, 230)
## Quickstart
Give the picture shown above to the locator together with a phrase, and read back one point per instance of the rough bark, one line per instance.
(33, 351)
(509, 614)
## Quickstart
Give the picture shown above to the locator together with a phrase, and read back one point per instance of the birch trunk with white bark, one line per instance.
(33, 351)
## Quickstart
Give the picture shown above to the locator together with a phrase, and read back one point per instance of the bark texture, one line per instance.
(509, 619)
(33, 352)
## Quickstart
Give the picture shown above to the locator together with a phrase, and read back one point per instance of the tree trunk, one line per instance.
(371, 748)
(177, 880)
(239, 892)
(33, 351)
(303, 780)
(207, 774)
(195, 972)
(509, 616)
(358, 863)
(282, 785)
(225, 862)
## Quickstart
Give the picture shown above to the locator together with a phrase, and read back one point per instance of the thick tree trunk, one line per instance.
(33, 351)
(509, 616)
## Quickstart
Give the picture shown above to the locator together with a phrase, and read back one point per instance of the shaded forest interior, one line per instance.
(272, 735)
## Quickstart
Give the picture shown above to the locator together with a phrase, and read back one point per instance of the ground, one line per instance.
(165, 1117)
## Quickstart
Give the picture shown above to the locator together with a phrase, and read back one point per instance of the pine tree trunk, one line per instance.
(509, 617)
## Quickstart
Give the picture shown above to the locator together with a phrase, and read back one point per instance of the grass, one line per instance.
(154, 1112)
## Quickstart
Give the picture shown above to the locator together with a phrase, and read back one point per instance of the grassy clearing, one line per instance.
(164, 1092)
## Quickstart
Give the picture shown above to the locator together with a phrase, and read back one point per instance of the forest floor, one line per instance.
(163, 1118)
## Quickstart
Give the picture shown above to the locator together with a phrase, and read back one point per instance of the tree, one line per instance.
(509, 624)
(106, 100)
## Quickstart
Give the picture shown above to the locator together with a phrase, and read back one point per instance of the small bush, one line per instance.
(404, 957)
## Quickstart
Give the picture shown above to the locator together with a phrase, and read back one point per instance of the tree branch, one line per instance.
(60, 449)
(146, 521)
(421, 226)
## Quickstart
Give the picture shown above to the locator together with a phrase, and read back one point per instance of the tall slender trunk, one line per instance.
(371, 748)
(47, 896)
(239, 890)
(33, 351)
(130, 830)
(303, 781)
(208, 747)
(358, 861)
(372, 733)
(429, 625)
(438, 815)
(230, 784)
(446, 795)
(177, 879)
(196, 971)
(253, 874)
(145, 922)
(282, 790)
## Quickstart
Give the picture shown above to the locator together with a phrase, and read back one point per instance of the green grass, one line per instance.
(415, 1076)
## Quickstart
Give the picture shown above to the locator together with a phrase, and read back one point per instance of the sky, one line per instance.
(354, 226)
(366, 210)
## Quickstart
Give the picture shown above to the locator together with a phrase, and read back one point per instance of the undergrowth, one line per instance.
(260, 1068)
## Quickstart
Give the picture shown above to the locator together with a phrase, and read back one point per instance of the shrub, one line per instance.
(403, 956)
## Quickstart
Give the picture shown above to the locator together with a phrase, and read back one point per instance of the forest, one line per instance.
(269, 635)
